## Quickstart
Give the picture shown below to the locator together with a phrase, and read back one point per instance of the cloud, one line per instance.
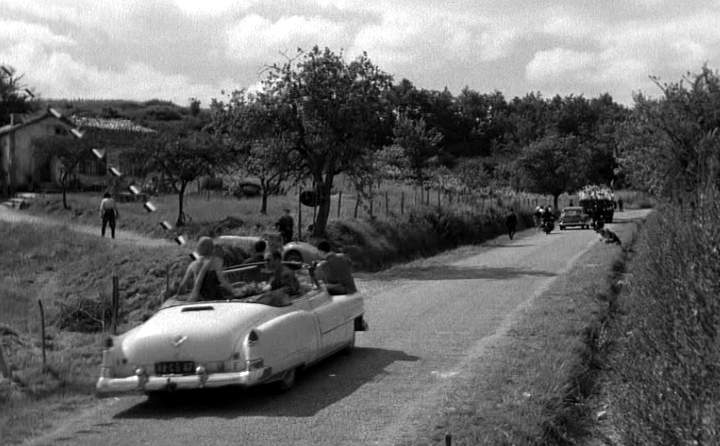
(258, 39)
(14, 31)
(556, 63)
(213, 7)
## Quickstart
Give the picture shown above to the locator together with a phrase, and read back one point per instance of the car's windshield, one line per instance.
(572, 212)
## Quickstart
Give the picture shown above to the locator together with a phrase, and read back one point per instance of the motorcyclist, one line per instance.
(548, 219)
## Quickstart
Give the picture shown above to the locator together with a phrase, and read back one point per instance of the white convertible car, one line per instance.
(233, 342)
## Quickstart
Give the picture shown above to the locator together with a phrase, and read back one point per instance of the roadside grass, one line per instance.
(531, 385)
(64, 268)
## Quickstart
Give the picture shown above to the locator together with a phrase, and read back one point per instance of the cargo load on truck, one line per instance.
(598, 202)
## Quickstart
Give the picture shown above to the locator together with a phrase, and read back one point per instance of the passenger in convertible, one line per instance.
(206, 275)
(259, 254)
(335, 270)
(283, 284)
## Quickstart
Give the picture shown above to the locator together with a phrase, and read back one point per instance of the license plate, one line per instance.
(175, 368)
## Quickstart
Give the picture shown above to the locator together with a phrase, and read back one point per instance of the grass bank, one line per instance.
(531, 384)
(662, 381)
(71, 273)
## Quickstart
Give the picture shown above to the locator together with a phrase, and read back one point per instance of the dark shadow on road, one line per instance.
(501, 245)
(451, 272)
(316, 388)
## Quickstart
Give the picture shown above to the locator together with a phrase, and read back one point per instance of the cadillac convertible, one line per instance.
(239, 342)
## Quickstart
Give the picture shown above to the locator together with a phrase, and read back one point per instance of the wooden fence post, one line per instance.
(4, 371)
(438, 197)
(299, 215)
(42, 334)
(115, 304)
(339, 203)
(402, 202)
(372, 200)
(387, 206)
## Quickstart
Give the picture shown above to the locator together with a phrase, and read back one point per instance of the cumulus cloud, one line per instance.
(258, 39)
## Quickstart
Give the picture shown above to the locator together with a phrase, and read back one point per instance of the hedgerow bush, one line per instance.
(374, 244)
(667, 369)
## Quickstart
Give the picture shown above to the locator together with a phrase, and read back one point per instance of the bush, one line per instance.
(84, 314)
(375, 244)
(667, 370)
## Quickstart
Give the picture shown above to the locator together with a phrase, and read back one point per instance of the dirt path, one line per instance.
(122, 236)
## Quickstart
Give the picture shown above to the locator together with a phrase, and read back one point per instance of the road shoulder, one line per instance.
(522, 385)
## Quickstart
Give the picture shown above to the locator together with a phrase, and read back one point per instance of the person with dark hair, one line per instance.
(108, 214)
(283, 278)
(511, 223)
(335, 270)
(259, 252)
(285, 226)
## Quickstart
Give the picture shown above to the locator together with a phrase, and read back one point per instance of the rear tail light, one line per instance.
(254, 364)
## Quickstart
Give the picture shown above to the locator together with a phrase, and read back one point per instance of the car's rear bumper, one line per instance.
(135, 383)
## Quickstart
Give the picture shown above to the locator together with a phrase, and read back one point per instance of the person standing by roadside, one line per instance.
(511, 223)
(108, 214)
(285, 226)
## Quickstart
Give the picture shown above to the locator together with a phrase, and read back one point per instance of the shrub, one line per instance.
(667, 369)
(84, 314)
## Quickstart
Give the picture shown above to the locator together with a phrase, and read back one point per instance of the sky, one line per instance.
(178, 49)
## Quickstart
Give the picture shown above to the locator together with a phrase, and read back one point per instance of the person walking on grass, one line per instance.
(108, 214)
(285, 225)
(511, 223)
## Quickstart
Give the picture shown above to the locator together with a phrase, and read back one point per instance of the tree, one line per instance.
(14, 96)
(246, 126)
(183, 160)
(69, 151)
(551, 165)
(671, 146)
(330, 111)
(419, 145)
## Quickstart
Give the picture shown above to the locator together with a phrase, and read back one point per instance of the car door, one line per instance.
(334, 321)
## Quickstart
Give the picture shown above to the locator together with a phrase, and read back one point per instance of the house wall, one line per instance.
(18, 152)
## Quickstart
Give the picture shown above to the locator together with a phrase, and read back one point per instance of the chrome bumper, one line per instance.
(107, 386)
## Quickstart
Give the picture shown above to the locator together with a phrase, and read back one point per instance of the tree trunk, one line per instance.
(323, 213)
(63, 184)
(263, 203)
(555, 202)
(181, 195)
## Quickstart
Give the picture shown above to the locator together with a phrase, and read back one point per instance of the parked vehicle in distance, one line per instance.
(297, 252)
(240, 342)
(573, 216)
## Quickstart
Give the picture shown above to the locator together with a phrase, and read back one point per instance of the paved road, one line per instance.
(427, 319)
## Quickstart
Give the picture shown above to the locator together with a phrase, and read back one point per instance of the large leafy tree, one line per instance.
(551, 165)
(670, 145)
(183, 159)
(332, 112)
(247, 125)
(419, 144)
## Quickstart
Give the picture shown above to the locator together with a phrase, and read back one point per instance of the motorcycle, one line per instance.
(548, 226)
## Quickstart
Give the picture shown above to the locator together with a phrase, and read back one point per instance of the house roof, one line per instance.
(109, 124)
(80, 121)
(32, 120)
